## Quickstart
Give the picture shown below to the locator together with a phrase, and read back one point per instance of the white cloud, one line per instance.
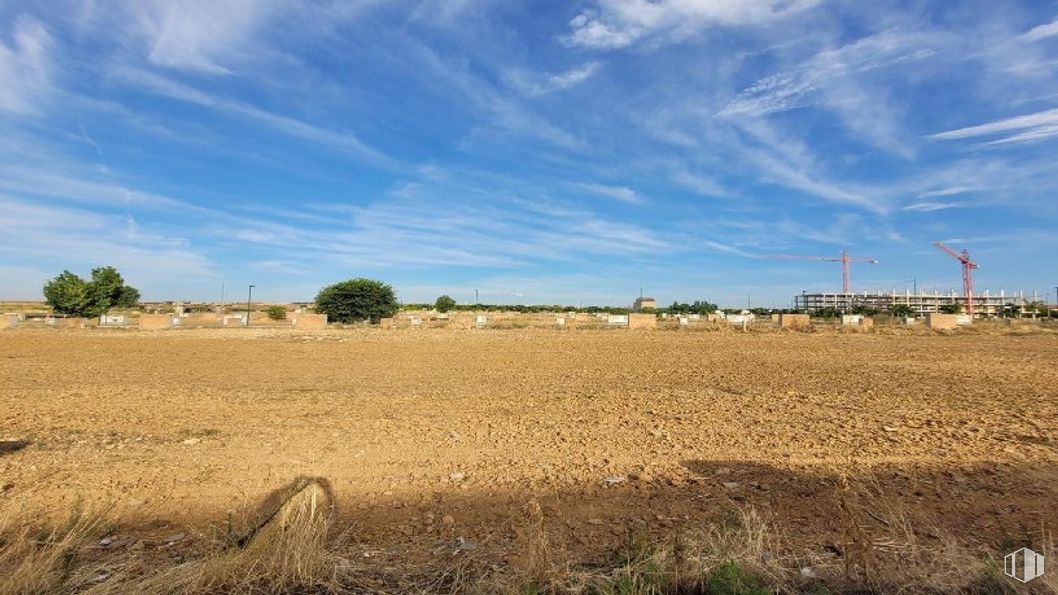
(949, 191)
(1042, 31)
(535, 84)
(621, 193)
(199, 35)
(25, 67)
(928, 207)
(285, 124)
(1033, 127)
(836, 79)
(615, 24)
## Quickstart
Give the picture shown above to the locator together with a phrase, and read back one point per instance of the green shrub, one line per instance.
(70, 295)
(731, 579)
(444, 303)
(357, 300)
(276, 312)
(902, 311)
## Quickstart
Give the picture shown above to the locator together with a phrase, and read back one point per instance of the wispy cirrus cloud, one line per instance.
(929, 207)
(25, 67)
(1042, 31)
(200, 35)
(613, 24)
(838, 80)
(176, 90)
(536, 84)
(619, 193)
(1031, 127)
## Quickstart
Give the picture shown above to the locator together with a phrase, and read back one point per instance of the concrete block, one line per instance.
(309, 321)
(642, 321)
(155, 321)
(113, 320)
(794, 320)
(942, 321)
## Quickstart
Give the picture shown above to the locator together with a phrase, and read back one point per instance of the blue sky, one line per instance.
(539, 152)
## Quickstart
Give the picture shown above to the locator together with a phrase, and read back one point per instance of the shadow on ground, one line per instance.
(873, 529)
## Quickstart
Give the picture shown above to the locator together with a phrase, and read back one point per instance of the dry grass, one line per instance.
(288, 548)
(45, 560)
(291, 547)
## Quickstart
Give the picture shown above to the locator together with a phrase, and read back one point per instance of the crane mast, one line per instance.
(968, 267)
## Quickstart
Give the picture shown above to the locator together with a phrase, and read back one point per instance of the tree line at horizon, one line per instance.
(362, 299)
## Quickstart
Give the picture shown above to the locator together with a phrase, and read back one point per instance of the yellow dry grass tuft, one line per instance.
(289, 548)
(45, 560)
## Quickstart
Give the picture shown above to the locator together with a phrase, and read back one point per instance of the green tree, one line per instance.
(357, 300)
(107, 290)
(951, 308)
(444, 303)
(71, 295)
(827, 312)
(276, 312)
(902, 311)
(129, 298)
(67, 294)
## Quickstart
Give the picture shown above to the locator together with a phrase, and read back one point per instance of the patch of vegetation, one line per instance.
(698, 307)
(731, 579)
(902, 311)
(828, 312)
(276, 312)
(70, 295)
(357, 300)
(444, 303)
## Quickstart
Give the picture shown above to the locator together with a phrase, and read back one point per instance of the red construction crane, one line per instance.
(844, 259)
(968, 267)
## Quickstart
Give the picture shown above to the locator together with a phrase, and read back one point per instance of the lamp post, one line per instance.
(249, 294)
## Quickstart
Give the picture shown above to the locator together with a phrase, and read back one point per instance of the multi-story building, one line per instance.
(644, 303)
(985, 304)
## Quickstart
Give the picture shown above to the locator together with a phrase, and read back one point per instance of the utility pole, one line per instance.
(222, 299)
(476, 300)
(249, 294)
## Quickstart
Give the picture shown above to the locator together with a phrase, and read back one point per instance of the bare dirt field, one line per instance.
(454, 458)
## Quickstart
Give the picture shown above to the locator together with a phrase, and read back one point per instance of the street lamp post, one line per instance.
(249, 294)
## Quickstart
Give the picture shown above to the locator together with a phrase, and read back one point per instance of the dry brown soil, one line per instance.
(426, 436)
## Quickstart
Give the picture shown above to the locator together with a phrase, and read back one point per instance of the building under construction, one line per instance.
(985, 304)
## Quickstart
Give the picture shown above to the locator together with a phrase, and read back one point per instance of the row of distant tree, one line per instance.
(362, 299)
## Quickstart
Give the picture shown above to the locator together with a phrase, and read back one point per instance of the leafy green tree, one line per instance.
(71, 295)
(902, 311)
(357, 300)
(827, 312)
(276, 312)
(951, 308)
(107, 290)
(444, 303)
(67, 294)
(698, 307)
(863, 310)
